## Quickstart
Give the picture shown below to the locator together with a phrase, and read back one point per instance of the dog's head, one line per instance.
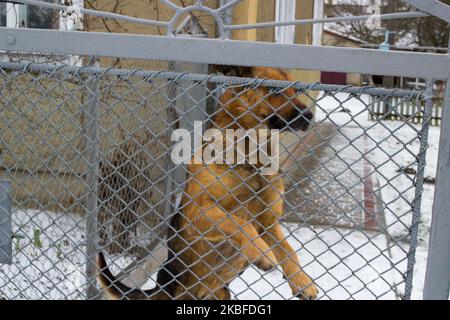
(276, 108)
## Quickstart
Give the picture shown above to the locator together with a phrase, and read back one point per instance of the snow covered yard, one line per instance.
(346, 263)
(52, 264)
(390, 146)
(49, 262)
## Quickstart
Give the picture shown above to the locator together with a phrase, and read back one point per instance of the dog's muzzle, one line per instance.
(298, 120)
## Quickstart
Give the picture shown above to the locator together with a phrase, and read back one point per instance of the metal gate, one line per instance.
(90, 184)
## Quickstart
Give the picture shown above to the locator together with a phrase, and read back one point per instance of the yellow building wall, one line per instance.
(145, 9)
(248, 11)
(245, 12)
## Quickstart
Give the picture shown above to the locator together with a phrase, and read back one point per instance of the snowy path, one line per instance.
(397, 147)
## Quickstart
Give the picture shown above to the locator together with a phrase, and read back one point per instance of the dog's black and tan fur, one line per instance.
(210, 244)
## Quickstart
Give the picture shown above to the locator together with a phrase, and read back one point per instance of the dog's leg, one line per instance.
(216, 225)
(221, 294)
(301, 284)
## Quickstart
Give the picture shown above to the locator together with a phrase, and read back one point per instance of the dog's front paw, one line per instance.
(309, 293)
(267, 262)
(305, 289)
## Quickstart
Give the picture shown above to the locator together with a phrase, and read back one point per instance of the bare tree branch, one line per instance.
(427, 31)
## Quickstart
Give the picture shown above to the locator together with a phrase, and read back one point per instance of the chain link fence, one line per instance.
(89, 154)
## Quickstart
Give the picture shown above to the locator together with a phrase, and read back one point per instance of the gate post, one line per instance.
(437, 278)
(421, 163)
(181, 106)
(92, 148)
(182, 115)
(5, 223)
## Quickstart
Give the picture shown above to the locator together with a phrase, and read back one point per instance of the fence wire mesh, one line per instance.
(89, 152)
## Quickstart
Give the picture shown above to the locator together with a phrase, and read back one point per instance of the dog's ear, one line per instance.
(233, 71)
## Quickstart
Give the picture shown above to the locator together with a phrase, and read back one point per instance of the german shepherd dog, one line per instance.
(229, 215)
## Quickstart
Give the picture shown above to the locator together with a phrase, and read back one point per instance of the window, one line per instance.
(23, 16)
(285, 11)
(14, 15)
(42, 18)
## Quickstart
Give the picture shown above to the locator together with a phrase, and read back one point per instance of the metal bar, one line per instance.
(171, 5)
(172, 116)
(183, 105)
(424, 48)
(215, 51)
(271, 24)
(421, 163)
(227, 16)
(374, 91)
(433, 7)
(437, 277)
(92, 181)
(5, 223)
(229, 5)
(94, 13)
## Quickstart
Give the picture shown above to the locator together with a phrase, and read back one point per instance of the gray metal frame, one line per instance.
(437, 279)
(5, 223)
(221, 51)
(220, 15)
(92, 128)
(433, 7)
(217, 51)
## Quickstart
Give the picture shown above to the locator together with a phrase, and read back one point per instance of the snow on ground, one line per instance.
(52, 265)
(50, 262)
(397, 147)
(330, 258)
